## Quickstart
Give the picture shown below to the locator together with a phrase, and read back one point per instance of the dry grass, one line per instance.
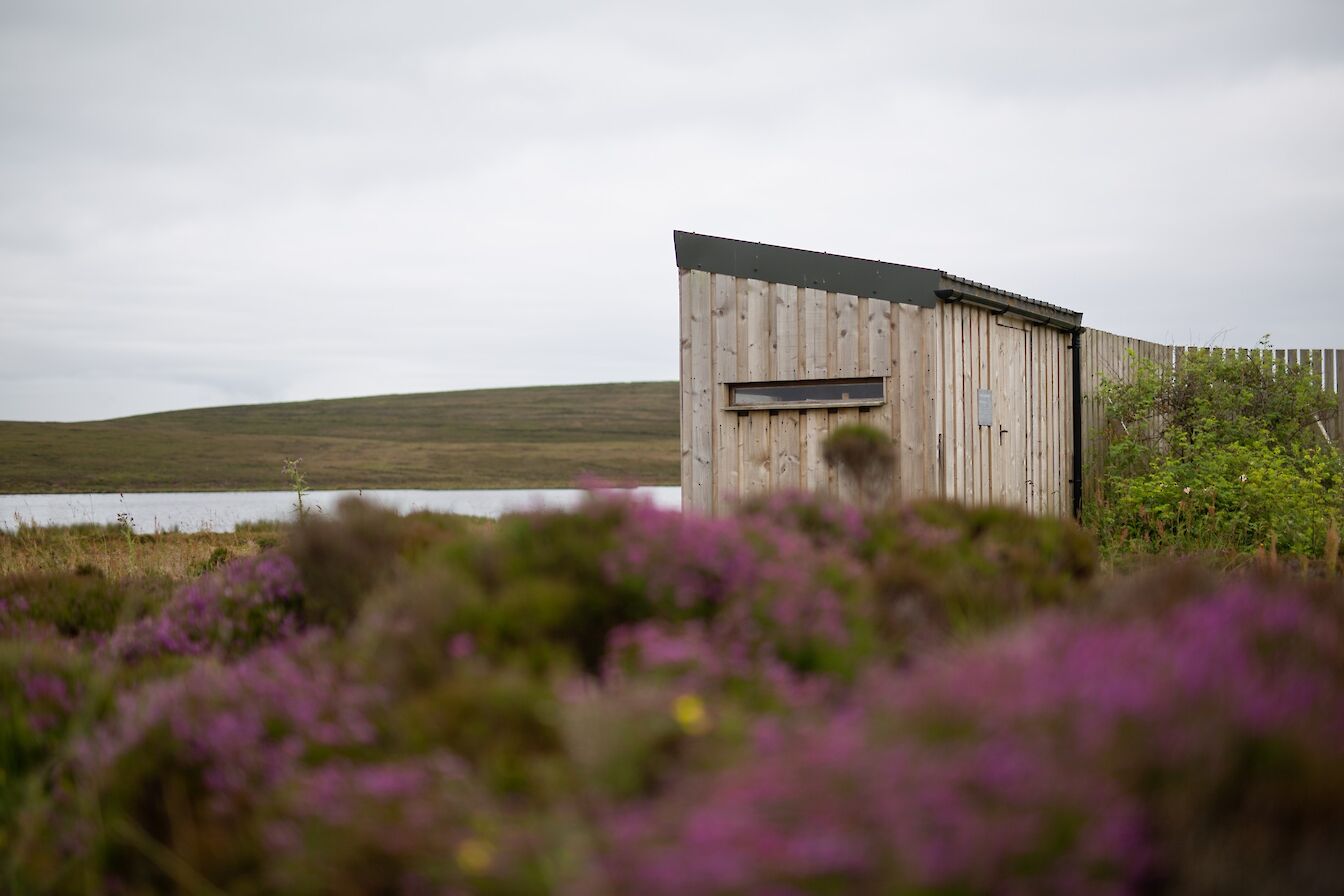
(176, 555)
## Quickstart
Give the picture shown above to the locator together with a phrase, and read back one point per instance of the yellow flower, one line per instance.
(475, 856)
(689, 711)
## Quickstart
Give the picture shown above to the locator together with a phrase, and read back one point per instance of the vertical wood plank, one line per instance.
(684, 295)
(1016, 417)
(784, 329)
(947, 384)
(743, 330)
(865, 313)
(725, 328)
(879, 337)
(758, 330)
(956, 361)
(1037, 420)
(1339, 396)
(983, 321)
(1054, 341)
(933, 409)
(880, 418)
(832, 334)
(847, 335)
(998, 465)
(813, 425)
(1328, 385)
(906, 378)
(702, 383)
(724, 362)
(844, 484)
(727, 454)
(1032, 421)
(814, 316)
(983, 370)
(966, 397)
(971, 431)
(1063, 506)
(970, 375)
(784, 444)
(756, 469)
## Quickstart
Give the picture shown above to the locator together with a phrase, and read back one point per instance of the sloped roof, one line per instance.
(854, 276)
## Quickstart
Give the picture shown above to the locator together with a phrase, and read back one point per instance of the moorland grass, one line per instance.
(539, 437)
(112, 552)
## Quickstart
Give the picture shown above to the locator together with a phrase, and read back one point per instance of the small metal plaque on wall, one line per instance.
(985, 407)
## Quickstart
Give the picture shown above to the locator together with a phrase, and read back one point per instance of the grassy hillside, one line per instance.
(490, 438)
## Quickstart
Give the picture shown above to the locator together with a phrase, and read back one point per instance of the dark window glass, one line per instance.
(811, 392)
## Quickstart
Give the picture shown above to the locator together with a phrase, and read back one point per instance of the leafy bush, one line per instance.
(1223, 453)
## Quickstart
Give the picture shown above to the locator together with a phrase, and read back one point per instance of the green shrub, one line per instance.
(340, 559)
(81, 603)
(42, 688)
(1225, 453)
(945, 569)
(864, 454)
(218, 557)
(543, 592)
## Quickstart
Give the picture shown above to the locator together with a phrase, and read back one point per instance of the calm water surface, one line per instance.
(221, 511)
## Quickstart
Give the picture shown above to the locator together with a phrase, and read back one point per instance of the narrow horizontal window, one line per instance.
(808, 393)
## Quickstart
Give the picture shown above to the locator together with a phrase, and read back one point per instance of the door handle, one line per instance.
(1002, 430)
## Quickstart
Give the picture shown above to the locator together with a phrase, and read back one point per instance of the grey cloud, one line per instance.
(344, 198)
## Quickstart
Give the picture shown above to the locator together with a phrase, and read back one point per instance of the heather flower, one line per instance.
(17, 625)
(1069, 756)
(244, 726)
(43, 689)
(220, 741)
(763, 592)
(418, 825)
(251, 601)
(826, 521)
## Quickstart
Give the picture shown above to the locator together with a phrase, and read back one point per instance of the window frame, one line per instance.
(807, 404)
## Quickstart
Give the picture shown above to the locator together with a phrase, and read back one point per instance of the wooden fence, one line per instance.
(1108, 356)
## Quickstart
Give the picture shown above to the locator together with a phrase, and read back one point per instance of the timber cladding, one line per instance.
(976, 384)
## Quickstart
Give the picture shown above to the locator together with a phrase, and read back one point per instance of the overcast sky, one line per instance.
(221, 203)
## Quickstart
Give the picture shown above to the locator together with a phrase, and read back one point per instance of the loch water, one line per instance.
(150, 512)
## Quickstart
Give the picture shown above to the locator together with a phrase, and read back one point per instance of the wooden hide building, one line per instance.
(977, 386)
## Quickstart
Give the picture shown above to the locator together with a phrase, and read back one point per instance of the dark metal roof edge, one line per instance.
(862, 277)
(1013, 295)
